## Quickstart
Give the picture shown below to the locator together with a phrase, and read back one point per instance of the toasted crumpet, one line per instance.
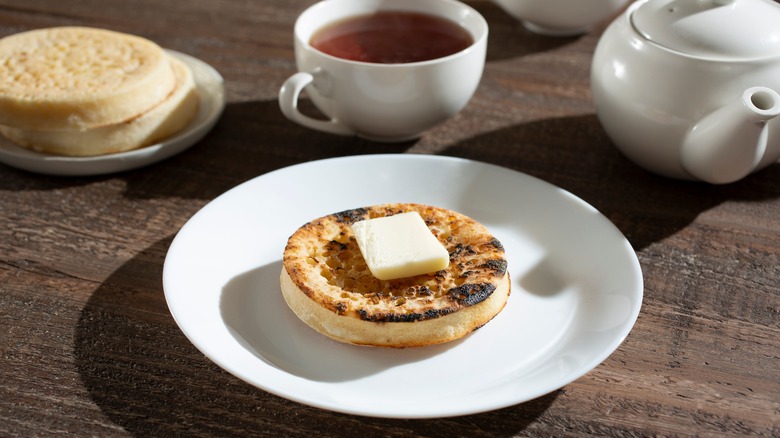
(327, 284)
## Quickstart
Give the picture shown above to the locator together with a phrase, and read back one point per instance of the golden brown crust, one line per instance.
(322, 262)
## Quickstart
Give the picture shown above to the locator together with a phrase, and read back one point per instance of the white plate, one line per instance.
(211, 90)
(576, 289)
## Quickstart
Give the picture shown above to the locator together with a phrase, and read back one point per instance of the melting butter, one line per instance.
(399, 246)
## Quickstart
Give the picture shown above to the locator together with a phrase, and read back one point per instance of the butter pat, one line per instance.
(399, 246)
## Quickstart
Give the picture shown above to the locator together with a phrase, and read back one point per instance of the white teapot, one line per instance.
(689, 88)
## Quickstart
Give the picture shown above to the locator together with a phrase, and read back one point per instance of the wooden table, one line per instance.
(90, 348)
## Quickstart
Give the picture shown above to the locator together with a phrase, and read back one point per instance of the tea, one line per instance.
(392, 37)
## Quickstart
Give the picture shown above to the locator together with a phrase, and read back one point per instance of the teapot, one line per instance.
(688, 89)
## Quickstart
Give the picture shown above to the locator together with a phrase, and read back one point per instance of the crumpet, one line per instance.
(164, 119)
(327, 284)
(77, 78)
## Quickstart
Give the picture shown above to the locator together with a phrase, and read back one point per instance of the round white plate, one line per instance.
(211, 90)
(576, 289)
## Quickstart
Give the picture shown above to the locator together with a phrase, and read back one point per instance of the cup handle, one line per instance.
(288, 102)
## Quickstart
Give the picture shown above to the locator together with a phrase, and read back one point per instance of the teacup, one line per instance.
(561, 17)
(386, 102)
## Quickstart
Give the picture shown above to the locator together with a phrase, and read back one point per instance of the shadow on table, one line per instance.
(575, 154)
(250, 139)
(148, 379)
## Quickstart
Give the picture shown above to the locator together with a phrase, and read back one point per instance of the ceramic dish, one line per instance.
(210, 86)
(576, 289)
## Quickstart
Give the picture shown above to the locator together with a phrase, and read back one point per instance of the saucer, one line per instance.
(211, 90)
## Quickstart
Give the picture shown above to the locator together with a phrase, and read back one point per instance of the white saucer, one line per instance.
(576, 289)
(211, 90)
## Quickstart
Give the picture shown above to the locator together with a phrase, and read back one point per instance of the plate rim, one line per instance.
(637, 294)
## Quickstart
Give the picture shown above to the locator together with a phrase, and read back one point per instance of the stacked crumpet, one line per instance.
(81, 91)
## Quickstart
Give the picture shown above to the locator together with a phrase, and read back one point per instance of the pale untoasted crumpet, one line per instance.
(164, 119)
(75, 78)
(328, 285)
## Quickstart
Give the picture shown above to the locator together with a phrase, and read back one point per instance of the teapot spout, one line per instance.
(726, 145)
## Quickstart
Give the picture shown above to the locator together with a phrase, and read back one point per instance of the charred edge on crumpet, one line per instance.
(403, 317)
(471, 294)
(466, 295)
(496, 244)
(351, 216)
(498, 266)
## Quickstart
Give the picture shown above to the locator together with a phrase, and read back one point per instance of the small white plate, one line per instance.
(576, 289)
(211, 90)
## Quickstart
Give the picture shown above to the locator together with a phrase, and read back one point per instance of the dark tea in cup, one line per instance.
(392, 37)
(384, 70)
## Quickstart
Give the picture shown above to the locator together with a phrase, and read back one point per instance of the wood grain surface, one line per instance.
(89, 347)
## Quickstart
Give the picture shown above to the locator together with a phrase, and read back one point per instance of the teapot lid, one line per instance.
(734, 29)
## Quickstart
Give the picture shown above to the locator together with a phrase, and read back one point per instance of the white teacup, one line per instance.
(383, 102)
